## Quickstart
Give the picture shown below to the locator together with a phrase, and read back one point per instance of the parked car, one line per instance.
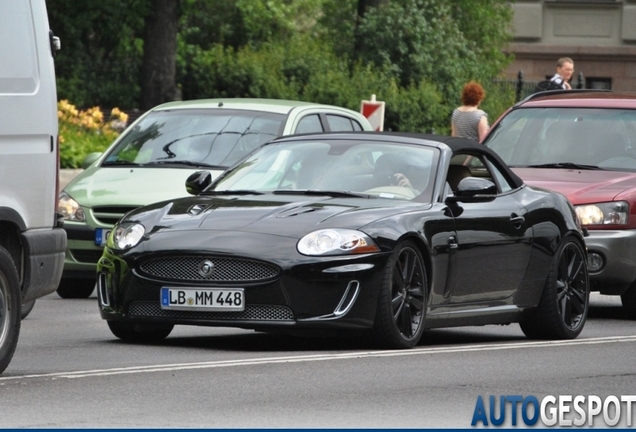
(582, 144)
(359, 231)
(152, 159)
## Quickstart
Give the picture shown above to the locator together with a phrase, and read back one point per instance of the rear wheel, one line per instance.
(9, 308)
(399, 321)
(75, 288)
(139, 332)
(563, 308)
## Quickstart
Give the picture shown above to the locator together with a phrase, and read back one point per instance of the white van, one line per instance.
(32, 241)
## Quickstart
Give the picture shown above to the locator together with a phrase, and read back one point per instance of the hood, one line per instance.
(129, 186)
(581, 186)
(283, 215)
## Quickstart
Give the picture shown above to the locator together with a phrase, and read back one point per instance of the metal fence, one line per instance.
(523, 88)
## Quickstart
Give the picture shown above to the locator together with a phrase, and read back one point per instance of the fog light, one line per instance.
(595, 261)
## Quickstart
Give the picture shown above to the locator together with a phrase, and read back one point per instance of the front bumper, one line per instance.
(310, 294)
(618, 271)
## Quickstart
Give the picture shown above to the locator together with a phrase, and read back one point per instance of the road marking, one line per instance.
(320, 357)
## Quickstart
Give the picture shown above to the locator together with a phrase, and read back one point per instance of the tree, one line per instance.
(158, 72)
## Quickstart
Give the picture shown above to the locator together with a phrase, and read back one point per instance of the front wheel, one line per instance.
(628, 299)
(399, 321)
(564, 304)
(9, 308)
(139, 332)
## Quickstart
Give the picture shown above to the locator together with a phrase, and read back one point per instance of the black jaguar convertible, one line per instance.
(387, 233)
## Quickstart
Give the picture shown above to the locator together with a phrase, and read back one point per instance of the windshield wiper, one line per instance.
(120, 163)
(187, 163)
(232, 192)
(314, 192)
(566, 165)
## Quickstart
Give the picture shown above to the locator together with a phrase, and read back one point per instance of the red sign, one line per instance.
(374, 112)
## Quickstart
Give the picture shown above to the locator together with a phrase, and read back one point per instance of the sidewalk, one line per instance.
(66, 175)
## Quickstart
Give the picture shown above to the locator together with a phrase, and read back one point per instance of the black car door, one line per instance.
(493, 243)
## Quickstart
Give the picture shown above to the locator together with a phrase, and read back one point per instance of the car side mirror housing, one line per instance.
(198, 182)
(475, 189)
(90, 159)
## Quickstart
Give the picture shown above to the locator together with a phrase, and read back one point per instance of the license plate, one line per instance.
(210, 299)
(101, 236)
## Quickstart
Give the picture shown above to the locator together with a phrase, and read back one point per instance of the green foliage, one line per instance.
(414, 54)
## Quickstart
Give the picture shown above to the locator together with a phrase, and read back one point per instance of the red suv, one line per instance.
(582, 143)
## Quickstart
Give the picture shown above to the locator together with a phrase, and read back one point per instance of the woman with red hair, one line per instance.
(468, 121)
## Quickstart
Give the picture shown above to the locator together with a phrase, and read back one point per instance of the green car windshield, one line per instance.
(585, 138)
(212, 138)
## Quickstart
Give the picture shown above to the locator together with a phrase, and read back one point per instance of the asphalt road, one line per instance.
(70, 372)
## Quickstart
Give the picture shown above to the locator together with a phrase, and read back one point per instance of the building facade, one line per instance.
(599, 35)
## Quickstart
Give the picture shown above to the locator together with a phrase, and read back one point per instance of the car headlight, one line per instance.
(612, 213)
(336, 242)
(127, 235)
(70, 209)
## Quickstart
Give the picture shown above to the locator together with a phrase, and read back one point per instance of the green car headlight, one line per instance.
(127, 235)
(70, 209)
(612, 213)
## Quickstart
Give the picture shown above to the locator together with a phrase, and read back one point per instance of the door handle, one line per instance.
(517, 221)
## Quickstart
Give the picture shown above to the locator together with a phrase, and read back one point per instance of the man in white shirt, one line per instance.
(564, 71)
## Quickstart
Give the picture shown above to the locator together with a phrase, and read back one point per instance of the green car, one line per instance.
(153, 157)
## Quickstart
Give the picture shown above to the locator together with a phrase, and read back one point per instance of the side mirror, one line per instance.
(90, 159)
(198, 181)
(475, 189)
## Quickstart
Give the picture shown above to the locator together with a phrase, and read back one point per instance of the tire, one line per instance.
(564, 304)
(628, 299)
(399, 321)
(9, 308)
(139, 332)
(26, 309)
(75, 288)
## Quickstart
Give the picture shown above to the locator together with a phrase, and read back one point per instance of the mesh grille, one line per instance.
(224, 269)
(110, 215)
(251, 312)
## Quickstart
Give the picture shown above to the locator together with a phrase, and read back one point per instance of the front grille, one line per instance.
(187, 268)
(86, 255)
(109, 215)
(251, 312)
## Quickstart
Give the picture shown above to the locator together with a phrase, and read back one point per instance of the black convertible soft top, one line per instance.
(457, 145)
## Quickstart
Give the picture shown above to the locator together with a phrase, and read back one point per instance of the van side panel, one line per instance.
(28, 114)
(29, 154)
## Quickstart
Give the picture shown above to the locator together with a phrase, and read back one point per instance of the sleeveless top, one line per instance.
(466, 122)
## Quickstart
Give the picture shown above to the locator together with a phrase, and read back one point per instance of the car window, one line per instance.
(339, 123)
(309, 124)
(338, 165)
(466, 165)
(604, 138)
(214, 137)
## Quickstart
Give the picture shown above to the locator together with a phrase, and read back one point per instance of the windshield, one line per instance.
(214, 137)
(585, 138)
(378, 169)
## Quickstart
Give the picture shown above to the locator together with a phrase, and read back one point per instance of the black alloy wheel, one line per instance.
(9, 308)
(562, 311)
(401, 310)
